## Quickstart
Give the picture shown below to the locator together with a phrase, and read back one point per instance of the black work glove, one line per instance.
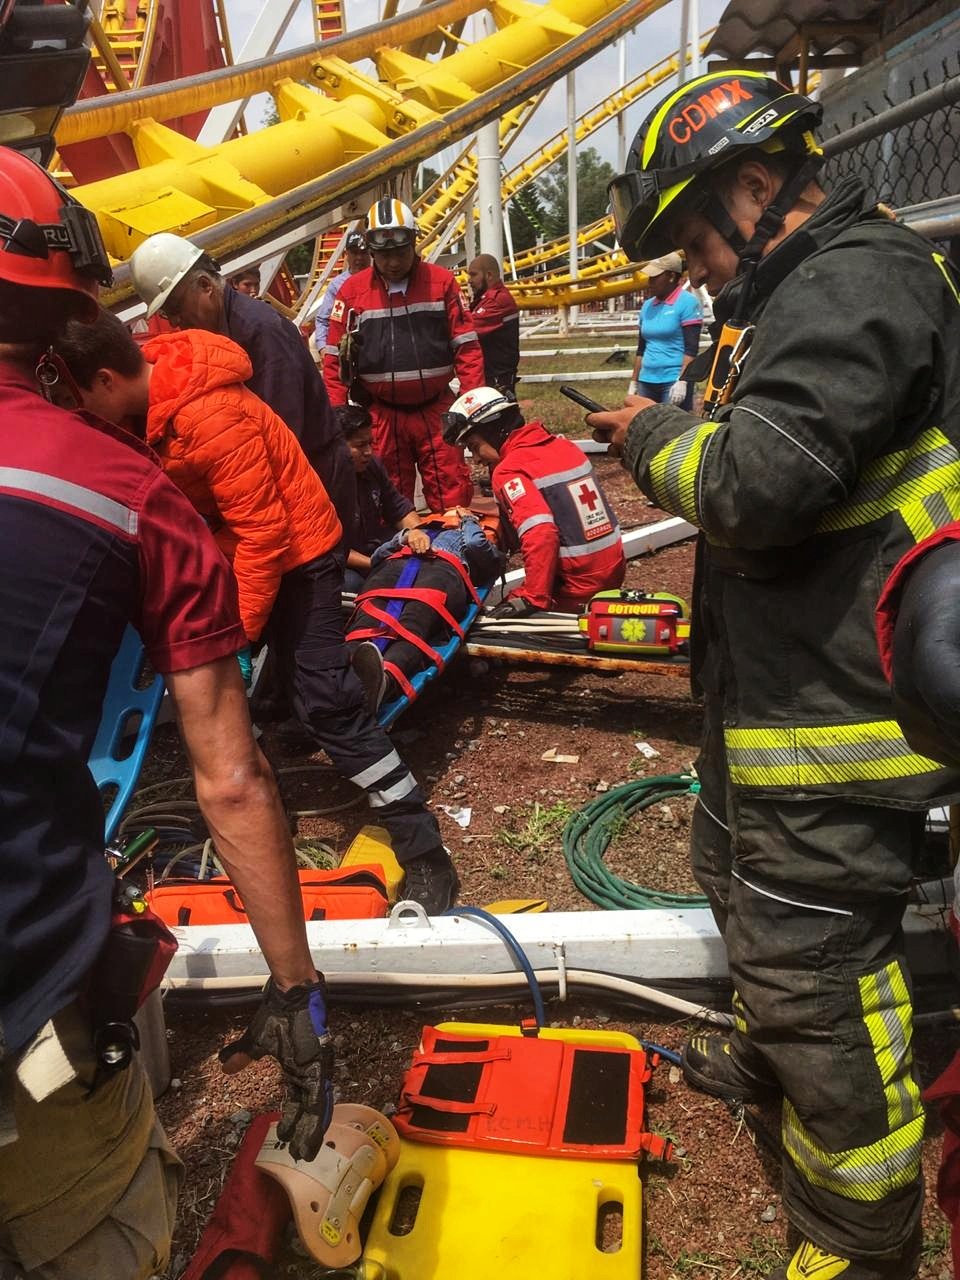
(514, 607)
(291, 1026)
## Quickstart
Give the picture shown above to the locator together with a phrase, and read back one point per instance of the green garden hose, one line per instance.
(588, 835)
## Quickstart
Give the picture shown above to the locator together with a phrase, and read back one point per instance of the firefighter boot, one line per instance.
(367, 663)
(432, 881)
(811, 1263)
(709, 1065)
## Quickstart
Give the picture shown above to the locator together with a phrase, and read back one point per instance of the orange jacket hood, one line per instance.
(186, 364)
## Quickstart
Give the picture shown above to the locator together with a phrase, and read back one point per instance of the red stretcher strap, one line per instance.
(406, 687)
(433, 597)
(454, 561)
(402, 633)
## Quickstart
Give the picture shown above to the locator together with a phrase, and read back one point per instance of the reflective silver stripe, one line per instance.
(710, 814)
(85, 501)
(379, 769)
(407, 375)
(383, 313)
(563, 477)
(587, 548)
(331, 351)
(533, 522)
(866, 1173)
(787, 436)
(399, 789)
(791, 902)
(464, 337)
(512, 319)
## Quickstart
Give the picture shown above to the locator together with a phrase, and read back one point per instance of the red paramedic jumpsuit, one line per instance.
(569, 536)
(409, 345)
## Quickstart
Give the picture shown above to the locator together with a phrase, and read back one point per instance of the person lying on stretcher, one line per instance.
(421, 584)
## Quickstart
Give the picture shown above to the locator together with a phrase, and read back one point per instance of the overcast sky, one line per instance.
(654, 39)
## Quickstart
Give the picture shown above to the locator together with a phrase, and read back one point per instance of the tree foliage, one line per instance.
(593, 174)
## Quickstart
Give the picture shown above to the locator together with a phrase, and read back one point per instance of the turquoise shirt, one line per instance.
(661, 327)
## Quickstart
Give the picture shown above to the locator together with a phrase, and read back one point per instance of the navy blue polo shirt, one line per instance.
(380, 508)
(94, 536)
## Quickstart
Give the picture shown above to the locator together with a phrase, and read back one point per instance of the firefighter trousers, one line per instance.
(416, 617)
(409, 438)
(306, 633)
(809, 895)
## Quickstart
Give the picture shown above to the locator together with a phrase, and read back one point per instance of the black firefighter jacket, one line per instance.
(837, 452)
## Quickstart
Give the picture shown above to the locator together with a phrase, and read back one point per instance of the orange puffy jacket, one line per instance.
(238, 463)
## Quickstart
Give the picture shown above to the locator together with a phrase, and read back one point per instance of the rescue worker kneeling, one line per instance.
(248, 477)
(420, 583)
(544, 485)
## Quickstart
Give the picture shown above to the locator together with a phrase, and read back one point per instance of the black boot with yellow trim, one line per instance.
(810, 1262)
(709, 1065)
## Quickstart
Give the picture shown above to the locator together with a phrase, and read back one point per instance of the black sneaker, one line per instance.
(812, 1263)
(367, 662)
(432, 881)
(708, 1064)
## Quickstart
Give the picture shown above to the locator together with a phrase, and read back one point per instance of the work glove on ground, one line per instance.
(514, 607)
(677, 393)
(245, 659)
(291, 1026)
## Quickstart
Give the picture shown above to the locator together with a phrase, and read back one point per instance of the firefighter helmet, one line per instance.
(694, 130)
(48, 240)
(483, 406)
(159, 264)
(389, 223)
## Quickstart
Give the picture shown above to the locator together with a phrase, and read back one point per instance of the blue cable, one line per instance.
(477, 913)
(668, 1055)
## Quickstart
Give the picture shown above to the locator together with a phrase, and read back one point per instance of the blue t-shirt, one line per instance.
(661, 327)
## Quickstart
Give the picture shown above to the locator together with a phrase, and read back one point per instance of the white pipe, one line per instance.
(682, 42)
(488, 190)
(472, 981)
(573, 216)
(694, 38)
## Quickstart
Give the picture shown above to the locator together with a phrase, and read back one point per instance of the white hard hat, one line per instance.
(390, 221)
(159, 264)
(472, 409)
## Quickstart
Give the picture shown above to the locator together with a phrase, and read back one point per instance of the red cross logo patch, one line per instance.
(591, 508)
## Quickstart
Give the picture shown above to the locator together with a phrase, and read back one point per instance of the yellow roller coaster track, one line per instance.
(443, 205)
(363, 132)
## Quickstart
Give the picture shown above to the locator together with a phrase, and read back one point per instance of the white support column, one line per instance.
(488, 190)
(508, 236)
(469, 228)
(694, 35)
(621, 129)
(683, 74)
(264, 37)
(573, 217)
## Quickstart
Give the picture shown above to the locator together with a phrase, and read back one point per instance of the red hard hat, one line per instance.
(48, 240)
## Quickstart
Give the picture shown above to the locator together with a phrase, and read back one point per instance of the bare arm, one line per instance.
(240, 802)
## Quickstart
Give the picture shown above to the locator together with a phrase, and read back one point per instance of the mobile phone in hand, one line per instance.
(583, 401)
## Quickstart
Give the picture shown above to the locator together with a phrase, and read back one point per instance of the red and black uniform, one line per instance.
(94, 536)
(408, 345)
(569, 536)
(496, 318)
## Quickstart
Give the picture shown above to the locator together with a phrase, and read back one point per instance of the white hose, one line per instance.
(470, 981)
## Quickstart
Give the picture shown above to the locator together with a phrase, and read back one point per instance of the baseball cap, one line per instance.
(669, 262)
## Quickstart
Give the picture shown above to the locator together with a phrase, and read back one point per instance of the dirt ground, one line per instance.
(714, 1213)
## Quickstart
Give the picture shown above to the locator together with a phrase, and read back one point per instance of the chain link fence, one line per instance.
(914, 160)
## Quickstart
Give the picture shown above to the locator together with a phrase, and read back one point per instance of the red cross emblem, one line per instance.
(588, 496)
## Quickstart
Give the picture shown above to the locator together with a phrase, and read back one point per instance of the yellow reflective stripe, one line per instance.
(675, 468)
(811, 1263)
(940, 263)
(865, 1174)
(812, 755)
(885, 1001)
(739, 1014)
(921, 481)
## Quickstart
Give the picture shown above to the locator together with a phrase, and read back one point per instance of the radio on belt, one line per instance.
(639, 623)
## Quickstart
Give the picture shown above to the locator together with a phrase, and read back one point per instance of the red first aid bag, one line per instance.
(344, 893)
